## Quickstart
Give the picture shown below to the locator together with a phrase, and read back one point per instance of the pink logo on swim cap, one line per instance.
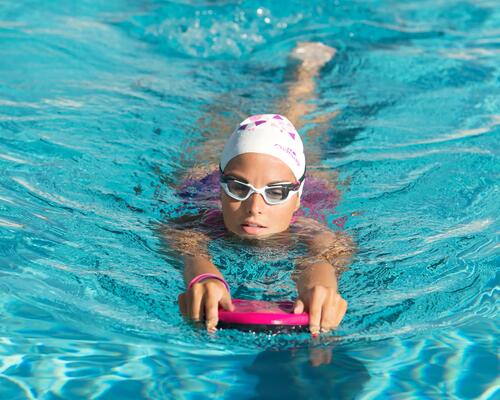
(254, 118)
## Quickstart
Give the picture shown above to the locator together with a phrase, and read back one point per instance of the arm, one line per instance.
(316, 275)
(202, 300)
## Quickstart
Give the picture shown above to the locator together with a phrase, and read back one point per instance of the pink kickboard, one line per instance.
(258, 312)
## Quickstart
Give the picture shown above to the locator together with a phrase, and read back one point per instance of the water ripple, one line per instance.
(461, 134)
(10, 224)
(14, 159)
(99, 117)
(51, 198)
(460, 231)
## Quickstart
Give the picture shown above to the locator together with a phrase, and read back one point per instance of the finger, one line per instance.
(317, 299)
(189, 301)
(328, 312)
(340, 310)
(181, 299)
(298, 307)
(227, 303)
(211, 310)
(196, 299)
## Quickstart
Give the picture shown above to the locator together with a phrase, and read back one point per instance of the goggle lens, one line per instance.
(274, 194)
(238, 189)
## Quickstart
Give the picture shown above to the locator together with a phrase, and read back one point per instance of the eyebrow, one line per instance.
(235, 176)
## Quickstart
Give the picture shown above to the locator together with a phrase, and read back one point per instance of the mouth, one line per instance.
(252, 228)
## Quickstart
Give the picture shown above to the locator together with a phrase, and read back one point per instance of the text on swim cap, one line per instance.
(289, 151)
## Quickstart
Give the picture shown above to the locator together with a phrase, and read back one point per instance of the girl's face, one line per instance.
(253, 217)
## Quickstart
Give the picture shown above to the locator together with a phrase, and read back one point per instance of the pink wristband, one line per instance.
(202, 277)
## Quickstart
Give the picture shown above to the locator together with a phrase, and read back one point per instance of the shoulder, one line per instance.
(320, 237)
(200, 186)
(307, 224)
(189, 234)
(206, 224)
(198, 172)
(321, 195)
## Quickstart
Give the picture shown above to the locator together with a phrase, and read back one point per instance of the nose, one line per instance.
(255, 204)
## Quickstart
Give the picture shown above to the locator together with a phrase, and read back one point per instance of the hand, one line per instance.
(202, 302)
(325, 306)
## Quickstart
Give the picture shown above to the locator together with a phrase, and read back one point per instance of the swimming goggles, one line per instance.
(276, 193)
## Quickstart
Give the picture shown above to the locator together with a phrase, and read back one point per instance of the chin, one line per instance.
(254, 236)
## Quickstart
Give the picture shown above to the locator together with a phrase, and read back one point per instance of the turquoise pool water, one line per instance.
(103, 106)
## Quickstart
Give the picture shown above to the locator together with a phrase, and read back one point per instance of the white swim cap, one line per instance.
(270, 134)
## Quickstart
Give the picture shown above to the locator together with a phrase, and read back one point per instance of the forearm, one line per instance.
(324, 246)
(317, 274)
(197, 265)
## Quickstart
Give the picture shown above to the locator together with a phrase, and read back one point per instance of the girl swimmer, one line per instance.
(262, 180)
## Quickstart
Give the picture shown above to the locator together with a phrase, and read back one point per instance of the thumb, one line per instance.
(226, 303)
(298, 307)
